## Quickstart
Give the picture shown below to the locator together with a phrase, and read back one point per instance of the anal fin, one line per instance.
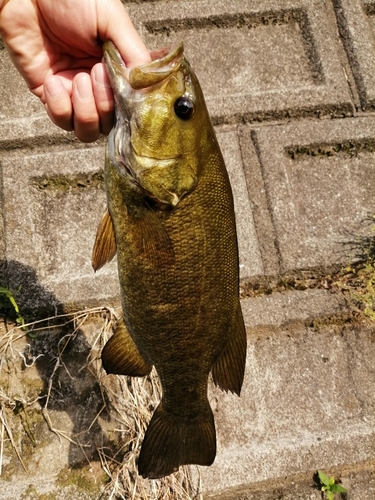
(229, 368)
(121, 356)
(105, 242)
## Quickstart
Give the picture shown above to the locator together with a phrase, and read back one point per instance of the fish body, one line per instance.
(171, 220)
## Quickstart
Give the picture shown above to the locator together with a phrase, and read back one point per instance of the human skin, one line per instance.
(56, 46)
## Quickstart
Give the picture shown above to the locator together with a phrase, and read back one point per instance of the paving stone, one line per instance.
(16, 100)
(320, 189)
(265, 230)
(356, 20)
(358, 479)
(250, 257)
(33, 131)
(256, 59)
(279, 310)
(52, 212)
(307, 403)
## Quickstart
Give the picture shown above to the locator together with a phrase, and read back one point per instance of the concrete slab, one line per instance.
(16, 101)
(52, 212)
(320, 188)
(265, 230)
(356, 21)
(307, 403)
(358, 479)
(283, 310)
(250, 257)
(18, 133)
(256, 59)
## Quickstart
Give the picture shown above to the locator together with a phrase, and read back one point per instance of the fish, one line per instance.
(170, 220)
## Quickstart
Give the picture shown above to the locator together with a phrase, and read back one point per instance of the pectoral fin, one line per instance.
(105, 242)
(121, 356)
(229, 368)
(150, 236)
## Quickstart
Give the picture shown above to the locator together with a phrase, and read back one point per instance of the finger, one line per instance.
(86, 116)
(114, 24)
(58, 103)
(103, 97)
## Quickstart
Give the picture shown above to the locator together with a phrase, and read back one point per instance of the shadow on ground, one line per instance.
(60, 352)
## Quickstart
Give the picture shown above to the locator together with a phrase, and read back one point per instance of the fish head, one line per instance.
(162, 123)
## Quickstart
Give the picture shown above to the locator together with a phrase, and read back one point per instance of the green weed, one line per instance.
(329, 486)
(8, 305)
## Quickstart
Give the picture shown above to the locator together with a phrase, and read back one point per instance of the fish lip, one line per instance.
(115, 66)
(164, 62)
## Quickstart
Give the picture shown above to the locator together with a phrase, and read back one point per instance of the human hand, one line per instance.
(56, 46)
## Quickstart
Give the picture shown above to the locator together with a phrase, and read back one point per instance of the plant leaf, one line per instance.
(323, 478)
(338, 488)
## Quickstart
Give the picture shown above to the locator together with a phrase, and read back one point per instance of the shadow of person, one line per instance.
(59, 349)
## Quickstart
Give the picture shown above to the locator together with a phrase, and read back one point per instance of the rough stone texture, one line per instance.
(256, 59)
(279, 427)
(14, 91)
(290, 87)
(359, 481)
(62, 202)
(319, 184)
(280, 310)
(250, 257)
(356, 23)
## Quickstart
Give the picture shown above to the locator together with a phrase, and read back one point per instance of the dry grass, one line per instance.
(128, 401)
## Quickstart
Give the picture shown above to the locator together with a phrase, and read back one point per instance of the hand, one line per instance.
(56, 46)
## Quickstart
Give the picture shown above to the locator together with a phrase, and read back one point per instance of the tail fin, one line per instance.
(171, 441)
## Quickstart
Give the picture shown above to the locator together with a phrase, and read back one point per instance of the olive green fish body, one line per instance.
(178, 269)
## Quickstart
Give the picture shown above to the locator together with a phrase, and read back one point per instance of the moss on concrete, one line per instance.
(82, 478)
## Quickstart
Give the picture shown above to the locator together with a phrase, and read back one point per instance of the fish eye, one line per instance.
(184, 107)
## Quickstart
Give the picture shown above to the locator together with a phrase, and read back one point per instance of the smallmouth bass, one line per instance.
(171, 221)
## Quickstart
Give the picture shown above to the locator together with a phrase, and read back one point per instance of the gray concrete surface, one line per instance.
(290, 85)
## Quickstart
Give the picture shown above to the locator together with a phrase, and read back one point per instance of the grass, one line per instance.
(125, 409)
(357, 280)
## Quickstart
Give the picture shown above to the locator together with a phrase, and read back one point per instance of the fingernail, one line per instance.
(100, 77)
(53, 86)
(84, 88)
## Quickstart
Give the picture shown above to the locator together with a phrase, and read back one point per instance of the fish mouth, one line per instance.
(163, 64)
